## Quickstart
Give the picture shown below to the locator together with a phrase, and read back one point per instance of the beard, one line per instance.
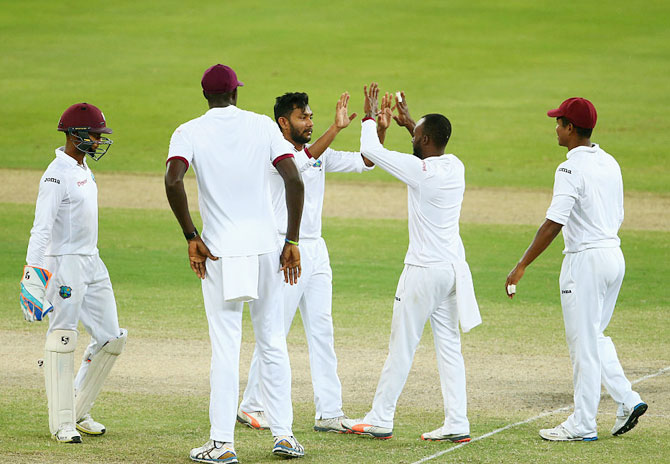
(300, 137)
(416, 151)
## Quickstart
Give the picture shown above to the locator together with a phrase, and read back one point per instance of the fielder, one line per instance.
(313, 293)
(66, 279)
(588, 206)
(436, 283)
(238, 256)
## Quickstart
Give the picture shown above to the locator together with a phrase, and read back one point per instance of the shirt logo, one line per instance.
(52, 179)
(566, 291)
(397, 298)
(564, 170)
(82, 182)
(317, 164)
(65, 292)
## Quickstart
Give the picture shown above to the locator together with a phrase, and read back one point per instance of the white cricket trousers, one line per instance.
(424, 293)
(590, 281)
(81, 290)
(225, 332)
(313, 295)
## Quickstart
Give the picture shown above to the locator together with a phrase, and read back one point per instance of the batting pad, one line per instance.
(98, 370)
(59, 377)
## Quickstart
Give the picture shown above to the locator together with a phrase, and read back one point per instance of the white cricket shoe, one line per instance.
(67, 433)
(626, 418)
(560, 433)
(437, 435)
(89, 426)
(215, 451)
(333, 424)
(255, 419)
(359, 427)
(288, 447)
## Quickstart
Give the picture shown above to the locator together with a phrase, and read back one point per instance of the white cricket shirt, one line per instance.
(314, 178)
(588, 199)
(66, 212)
(229, 150)
(435, 188)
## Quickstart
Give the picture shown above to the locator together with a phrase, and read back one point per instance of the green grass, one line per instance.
(494, 68)
(159, 299)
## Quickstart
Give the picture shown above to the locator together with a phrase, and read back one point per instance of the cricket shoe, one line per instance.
(288, 447)
(334, 424)
(215, 451)
(359, 427)
(437, 435)
(560, 433)
(255, 419)
(89, 426)
(626, 418)
(67, 433)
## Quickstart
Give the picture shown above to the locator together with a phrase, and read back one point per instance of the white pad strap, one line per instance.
(59, 377)
(101, 363)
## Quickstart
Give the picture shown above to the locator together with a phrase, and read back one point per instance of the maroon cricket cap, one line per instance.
(220, 79)
(84, 115)
(579, 111)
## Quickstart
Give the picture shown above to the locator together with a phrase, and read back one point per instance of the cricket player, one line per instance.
(436, 283)
(313, 293)
(66, 279)
(238, 255)
(588, 206)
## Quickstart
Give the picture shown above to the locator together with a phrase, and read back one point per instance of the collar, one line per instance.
(60, 153)
(222, 110)
(592, 149)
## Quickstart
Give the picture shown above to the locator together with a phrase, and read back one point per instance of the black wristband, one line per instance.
(191, 235)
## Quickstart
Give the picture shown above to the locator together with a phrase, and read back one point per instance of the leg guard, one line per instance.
(59, 377)
(100, 365)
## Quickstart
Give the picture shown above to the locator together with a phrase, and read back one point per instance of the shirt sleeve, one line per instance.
(181, 147)
(280, 148)
(407, 168)
(51, 193)
(566, 192)
(344, 161)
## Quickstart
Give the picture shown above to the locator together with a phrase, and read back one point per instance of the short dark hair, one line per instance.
(438, 128)
(581, 131)
(288, 102)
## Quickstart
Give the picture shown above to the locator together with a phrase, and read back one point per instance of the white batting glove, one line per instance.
(33, 293)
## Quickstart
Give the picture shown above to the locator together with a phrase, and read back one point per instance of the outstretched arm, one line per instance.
(342, 120)
(176, 195)
(543, 238)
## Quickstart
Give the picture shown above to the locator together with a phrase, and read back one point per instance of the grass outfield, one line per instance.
(493, 67)
(156, 400)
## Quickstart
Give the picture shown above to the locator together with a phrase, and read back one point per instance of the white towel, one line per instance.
(466, 302)
(240, 278)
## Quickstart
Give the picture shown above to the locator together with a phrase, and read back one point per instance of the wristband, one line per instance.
(191, 235)
(291, 242)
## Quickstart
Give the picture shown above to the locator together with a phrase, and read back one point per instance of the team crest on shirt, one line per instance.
(317, 164)
(65, 292)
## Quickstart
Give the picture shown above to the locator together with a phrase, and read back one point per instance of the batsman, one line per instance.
(66, 279)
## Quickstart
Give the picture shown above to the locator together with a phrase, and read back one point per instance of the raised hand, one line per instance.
(385, 113)
(342, 117)
(370, 107)
(403, 118)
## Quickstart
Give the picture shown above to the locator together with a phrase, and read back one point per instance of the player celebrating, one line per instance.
(313, 293)
(238, 255)
(436, 283)
(588, 202)
(64, 268)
